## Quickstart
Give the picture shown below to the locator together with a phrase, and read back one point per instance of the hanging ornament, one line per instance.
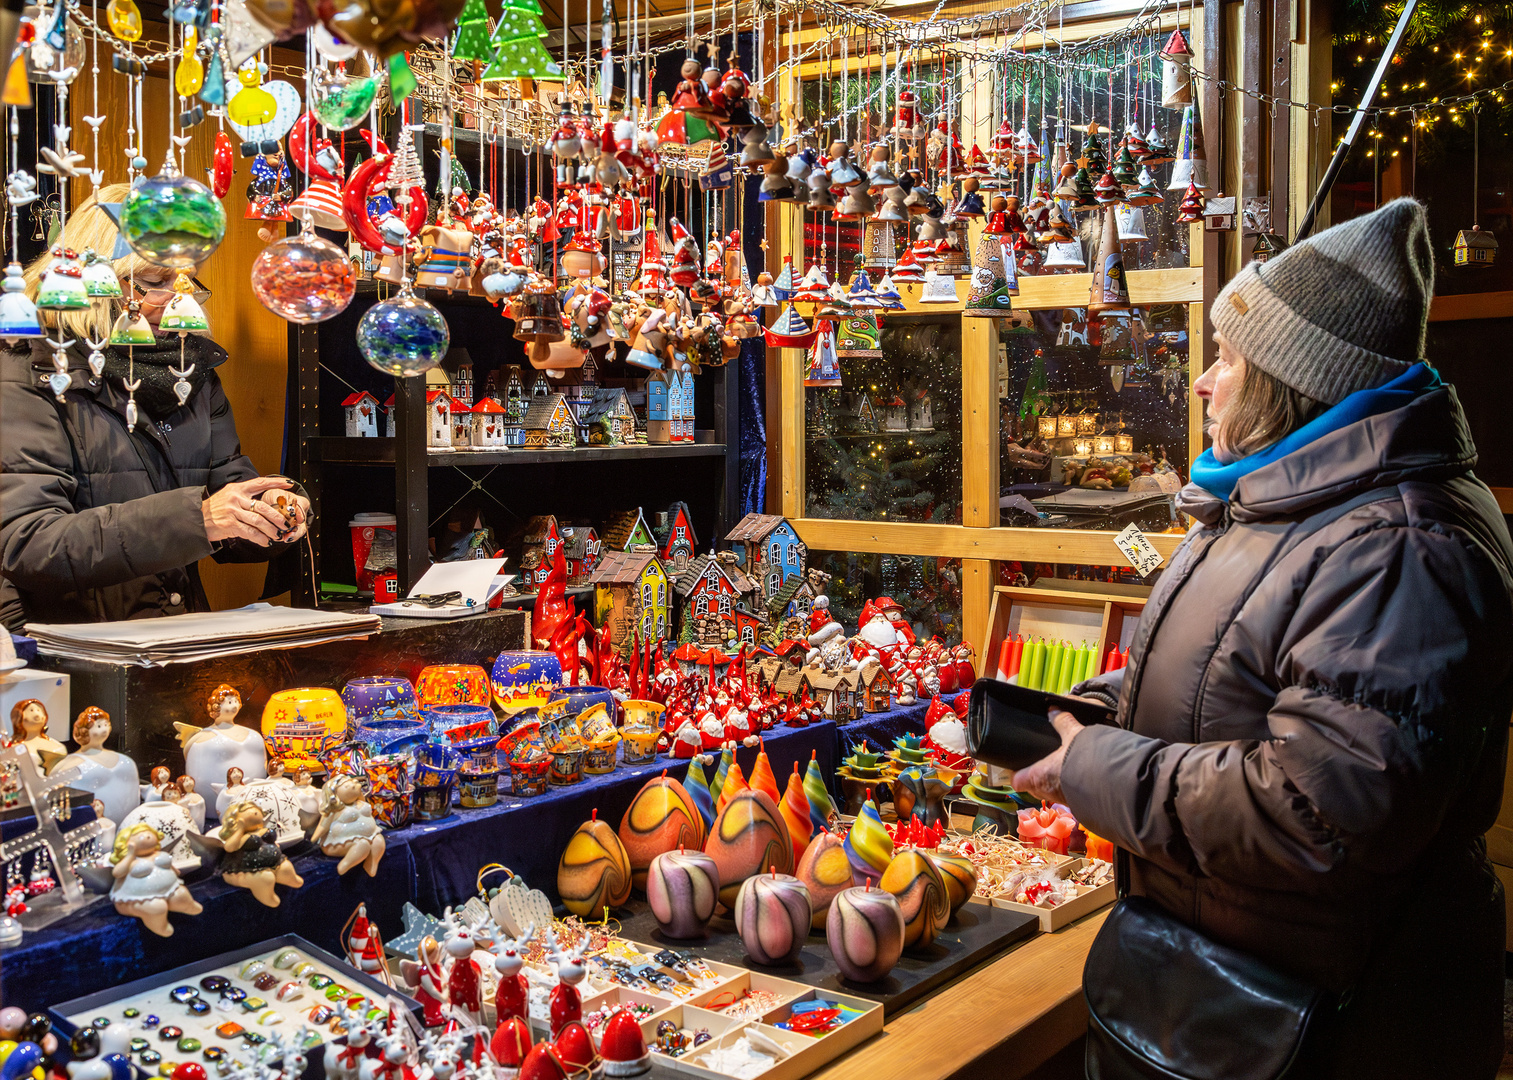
(124, 19)
(1110, 291)
(1123, 168)
(62, 284)
(222, 165)
(321, 202)
(1176, 71)
(330, 46)
(1475, 246)
(304, 278)
(994, 281)
(386, 234)
(1107, 190)
(789, 330)
(131, 327)
(1065, 255)
(18, 315)
(1157, 152)
(472, 41)
(182, 387)
(311, 152)
(97, 355)
(270, 189)
(939, 289)
(1192, 166)
(1268, 246)
(518, 52)
(259, 112)
(189, 75)
(1131, 221)
(1146, 193)
(171, 220)
(341, 103)
(183, 314)
(1191, 207)
(403, 336)
(100, 280)
(824, 367)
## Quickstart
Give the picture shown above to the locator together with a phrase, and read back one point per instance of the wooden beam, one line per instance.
(1482, 305)
(1504, 497)
(963, 542)
(1283, 21)
(979, 422)
(977, 579)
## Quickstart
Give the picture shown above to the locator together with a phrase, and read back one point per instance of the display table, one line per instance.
(432, 865)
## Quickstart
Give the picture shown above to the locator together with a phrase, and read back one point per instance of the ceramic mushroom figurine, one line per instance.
(210, 751)
(29, 728)
(110, 775)
(145, 884)
(347, 829)
(253, 860)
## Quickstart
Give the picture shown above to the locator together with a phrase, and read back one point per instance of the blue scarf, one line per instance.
(1209, 473)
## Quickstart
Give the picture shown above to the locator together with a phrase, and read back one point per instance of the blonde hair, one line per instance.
(1263, 411)
(231, 819)
(118, 852)
(90, 227)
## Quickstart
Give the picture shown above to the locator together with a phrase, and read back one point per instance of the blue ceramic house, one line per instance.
(768, 551)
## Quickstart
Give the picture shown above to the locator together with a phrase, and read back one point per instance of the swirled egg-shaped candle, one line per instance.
(795, 811)
(682, 887)
(913, 879)
(959, 875)
(594, 872)
(826, 873)
(662, 817)
(748, 837)
(820, 805)
(868, 846)
(865, 933)
(772, 915)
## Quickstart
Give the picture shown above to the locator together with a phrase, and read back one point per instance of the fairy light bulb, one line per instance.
(125, 20)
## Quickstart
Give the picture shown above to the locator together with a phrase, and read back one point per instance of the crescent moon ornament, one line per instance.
(368, 179)
(312, 152)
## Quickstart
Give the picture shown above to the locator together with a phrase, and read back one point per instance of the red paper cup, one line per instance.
(363, 527)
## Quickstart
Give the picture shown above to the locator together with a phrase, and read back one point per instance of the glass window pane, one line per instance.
(886, 445)
(1094, 423)
(927, 588)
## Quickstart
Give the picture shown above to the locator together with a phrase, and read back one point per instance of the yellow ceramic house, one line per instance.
(632, 587)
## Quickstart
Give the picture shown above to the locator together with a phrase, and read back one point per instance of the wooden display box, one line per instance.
(1105, 617)
(1088, 900)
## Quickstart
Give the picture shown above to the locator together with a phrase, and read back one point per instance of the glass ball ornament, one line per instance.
(304, 278)
(404, 336)
(172, 220)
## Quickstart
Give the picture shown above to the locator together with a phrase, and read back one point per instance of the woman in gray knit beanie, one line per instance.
(1314, 718)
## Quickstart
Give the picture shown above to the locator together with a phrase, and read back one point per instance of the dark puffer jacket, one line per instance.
(97, 523)
(1315, 720)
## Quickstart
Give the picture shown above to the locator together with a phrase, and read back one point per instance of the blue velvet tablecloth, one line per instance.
(432, 865)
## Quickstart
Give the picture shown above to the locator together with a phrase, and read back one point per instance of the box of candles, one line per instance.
(1052, 639)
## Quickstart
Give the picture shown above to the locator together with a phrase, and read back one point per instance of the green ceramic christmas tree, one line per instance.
(473, 33)
(517, 41)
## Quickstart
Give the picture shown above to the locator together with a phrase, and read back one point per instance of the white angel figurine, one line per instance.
(210, 751)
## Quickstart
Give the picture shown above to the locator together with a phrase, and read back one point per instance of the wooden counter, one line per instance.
(1003, 1019)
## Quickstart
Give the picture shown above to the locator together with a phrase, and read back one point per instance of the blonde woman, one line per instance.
(253, 860)
(100, 523)
(146, 886)
(347, 829)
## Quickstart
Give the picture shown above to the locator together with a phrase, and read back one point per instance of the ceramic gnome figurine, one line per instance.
(145, 884)
(347, 830)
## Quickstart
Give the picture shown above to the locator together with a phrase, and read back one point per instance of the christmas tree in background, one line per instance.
(517, 41)
(473, 33)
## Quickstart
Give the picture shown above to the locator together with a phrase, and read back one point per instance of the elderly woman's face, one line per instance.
(1217, 387)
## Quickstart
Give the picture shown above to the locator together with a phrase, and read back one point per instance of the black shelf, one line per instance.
(341, 450)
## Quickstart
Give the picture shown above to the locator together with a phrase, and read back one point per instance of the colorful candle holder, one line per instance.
(530, 773)
(640, 744)
(379, 694)
(599, 758)
(567, 765)
(460, 723)
(433, 802)
(582, 698)
(346, 759)
(452, 684)
(300, 725)
(643, 714)
(477, 789)
(436, 764)
(389, 789)
(391, 734)
(526, 679)
(523, 737)
(596, 724)
(479, 755)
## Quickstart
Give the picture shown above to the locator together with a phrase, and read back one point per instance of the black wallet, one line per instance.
(1010, 726)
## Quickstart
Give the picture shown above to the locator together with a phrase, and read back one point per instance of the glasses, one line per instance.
(159, 295)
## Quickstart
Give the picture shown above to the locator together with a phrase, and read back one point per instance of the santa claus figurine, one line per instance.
(687, 742)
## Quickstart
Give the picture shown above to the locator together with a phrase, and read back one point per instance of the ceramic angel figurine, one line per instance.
(29, 728)
(231, 790)
(110, 775)
(253, 860)
(146, 886)
(347, 829)
(210, 751)
(192, 801)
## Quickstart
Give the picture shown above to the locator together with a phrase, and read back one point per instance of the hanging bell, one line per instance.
(783, 288)
(856, 203)
(994, 282)
(939, 289)
(931, 229)
(1191, 207)
(1058, 229)
(100, 280)
(1146, 193)
(1067, 188)
(888, 295)
(776, 187)
(1065, 255)
(1107, 190)
(908, 271)
(819, 190)
(1123, 168)
(1176, 71)
(953, 258)
(789, 330)
(1157, 152)
(893, 212)
(1191, 166)
(824, 367)
(1110, 291)
(859, 336)
(879, 246)
(62, 284)
(1131, 221)
(799, 162)
(18, 315)
(880, 174)
(132, 328)
(970, 203)
(183, 314)
(538, 312)
(755, 153)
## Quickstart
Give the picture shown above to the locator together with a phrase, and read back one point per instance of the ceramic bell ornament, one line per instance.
(1145, 192)
(939, 289)
(347, 830)
(183, 314)
(818, 182)
(1110, 290)
(18, 315)
(100, 280)
(144, 883)
(1131, 220)
(62, 284)
(776, 186)
(251, 857)
(1176, 71)
(1191, 166)
(755, 153)
(111, 776)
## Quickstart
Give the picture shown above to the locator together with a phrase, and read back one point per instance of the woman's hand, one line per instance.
(1043, 779)
(234, 512)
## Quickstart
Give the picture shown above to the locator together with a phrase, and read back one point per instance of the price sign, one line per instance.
(1141, 554)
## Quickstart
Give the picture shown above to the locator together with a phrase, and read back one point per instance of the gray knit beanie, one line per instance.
(1342, 311)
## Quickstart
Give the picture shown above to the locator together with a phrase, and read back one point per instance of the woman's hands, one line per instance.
(1043, 779)
(236, 513)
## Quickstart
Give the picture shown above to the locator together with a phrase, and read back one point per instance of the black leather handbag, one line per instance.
(1166, 1003)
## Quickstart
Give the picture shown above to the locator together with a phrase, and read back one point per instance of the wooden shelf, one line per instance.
(341, 450)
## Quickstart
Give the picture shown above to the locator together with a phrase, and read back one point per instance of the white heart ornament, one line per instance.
(59, 381)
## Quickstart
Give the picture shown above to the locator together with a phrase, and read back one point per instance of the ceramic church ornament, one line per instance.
(145, 883)
(210, 751)
(111, 776)
(346, 830)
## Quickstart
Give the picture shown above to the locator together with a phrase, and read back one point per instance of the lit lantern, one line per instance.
(1124, 444)
(300, 724)
(1103, 444)
(1087, 423)
(1082, 448)
(1066, 424)
(1047, 427)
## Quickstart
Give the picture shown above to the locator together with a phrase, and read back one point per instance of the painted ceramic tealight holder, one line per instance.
(580, 699)
(379, 694)
(478, 788)
(452, 684)
(436, 769)
(530, 772)
(524, 736)
(567, 764)
(390, 789)
(526, 679)
(460, 723)
(301, 724)
(391, 733)
(600, 739)
(639, 744)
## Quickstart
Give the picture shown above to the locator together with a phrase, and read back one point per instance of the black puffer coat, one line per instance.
(97, 523)
(1315, 719)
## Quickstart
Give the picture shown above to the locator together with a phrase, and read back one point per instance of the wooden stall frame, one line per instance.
(979, 541)
(1112, 606)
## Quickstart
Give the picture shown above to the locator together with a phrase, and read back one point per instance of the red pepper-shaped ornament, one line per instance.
(222, 165)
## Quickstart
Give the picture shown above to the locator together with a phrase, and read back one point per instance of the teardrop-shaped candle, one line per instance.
(697, 785)
(868, 846)
(717, 785)
(762, 778)
(820, 806)
(735, 782)
(795, 811)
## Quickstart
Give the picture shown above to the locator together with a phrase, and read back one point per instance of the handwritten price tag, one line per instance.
(1138, 550)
